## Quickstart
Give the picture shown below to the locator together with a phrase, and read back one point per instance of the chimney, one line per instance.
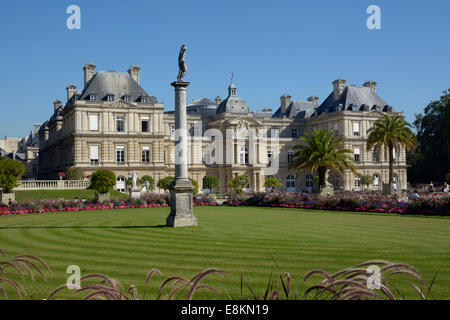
(70, 91)
(314, 100)
(339, 86)
(285, 102)
(218, 100)
(36, 128)
(45, 133)
(56, 104)
(371, 84)
(89, 70)
(134, 72)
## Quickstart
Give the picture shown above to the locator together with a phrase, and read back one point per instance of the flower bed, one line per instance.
(348, 201)
(147, 201)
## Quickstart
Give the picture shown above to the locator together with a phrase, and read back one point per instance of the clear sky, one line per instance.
(272, 47)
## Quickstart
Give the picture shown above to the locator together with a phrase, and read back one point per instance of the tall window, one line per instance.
(294, 133)
(337, 181)
(92, 97)
(120, 154)
(94, 155)
(126, 98)
(145, 121)
(146, 154)
(120, 184)
(207, 156)
(243, 155)
(290, 156)
(375, 156)
(290, 181)
(357, 152)
(93, 122)
(357, 182)
(110, 98)
(309, 181)
(120, 123)
(172, 130)
(356, 128)
(336, 129)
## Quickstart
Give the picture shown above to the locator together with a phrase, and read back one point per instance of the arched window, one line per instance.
(290, 182)
(309, 181)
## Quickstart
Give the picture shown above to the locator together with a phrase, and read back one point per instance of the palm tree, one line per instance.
(391, 131)
(323, 151)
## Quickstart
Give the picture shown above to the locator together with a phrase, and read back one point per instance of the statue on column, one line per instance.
(182, 63)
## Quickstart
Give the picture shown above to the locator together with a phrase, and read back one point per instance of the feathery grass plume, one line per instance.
(198, 278)
(149, 276)
(19, 263)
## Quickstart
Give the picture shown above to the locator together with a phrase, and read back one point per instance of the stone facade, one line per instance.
(114, 124)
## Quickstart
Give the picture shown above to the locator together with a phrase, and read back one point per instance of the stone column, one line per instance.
(181, 197)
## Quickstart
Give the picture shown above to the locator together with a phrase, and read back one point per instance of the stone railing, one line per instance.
(53, 184)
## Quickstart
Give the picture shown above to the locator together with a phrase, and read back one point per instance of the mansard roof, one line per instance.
(306, 108)
(119, 84)
(354, 98)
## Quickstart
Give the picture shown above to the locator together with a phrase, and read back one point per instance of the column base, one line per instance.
(181, 204)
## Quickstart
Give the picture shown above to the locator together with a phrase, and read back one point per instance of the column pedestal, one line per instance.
(181, 196)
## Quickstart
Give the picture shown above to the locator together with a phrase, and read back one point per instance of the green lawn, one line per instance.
(63, 194)
(125, 244)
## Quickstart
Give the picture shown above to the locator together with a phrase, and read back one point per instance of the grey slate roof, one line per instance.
(233, 104)
(117, 83)
(296, 107)
(353, 98)
(203, 106)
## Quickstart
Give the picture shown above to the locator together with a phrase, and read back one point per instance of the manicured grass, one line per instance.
(125, 244)
(63, 194)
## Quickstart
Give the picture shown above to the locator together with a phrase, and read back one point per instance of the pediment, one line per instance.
(243, 121)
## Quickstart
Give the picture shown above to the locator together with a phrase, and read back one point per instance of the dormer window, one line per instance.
(110, 97)
(92, 97)
(144, 99)
(127, 98)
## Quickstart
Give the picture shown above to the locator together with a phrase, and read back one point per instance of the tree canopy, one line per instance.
(10, 173)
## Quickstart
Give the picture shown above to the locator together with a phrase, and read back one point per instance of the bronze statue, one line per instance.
(182, 63)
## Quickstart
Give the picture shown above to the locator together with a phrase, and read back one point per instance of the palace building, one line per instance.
(114, 124)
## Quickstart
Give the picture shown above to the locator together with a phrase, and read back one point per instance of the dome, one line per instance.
(233, 104)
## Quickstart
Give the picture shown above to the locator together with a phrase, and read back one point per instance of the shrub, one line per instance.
(367, 180)
(447, 177)
(210, 182)
(148, 182)
(273, 182)
(103, 181)
(195, 184)
(164, 183)
(10, 173)
(74, 173)
(238, 183)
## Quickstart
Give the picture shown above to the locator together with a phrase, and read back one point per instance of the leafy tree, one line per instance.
(103, 181)
(148, 182)
(273, 182)
(431, 160)
(367, 180)
(164, 183)
(210, 182)
(391, 131)
(195, 184)
(316, 180)
(322, 151)
(238, 183)
(10, 173)
(74, 173)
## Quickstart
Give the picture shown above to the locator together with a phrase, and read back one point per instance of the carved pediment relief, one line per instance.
(119, 104)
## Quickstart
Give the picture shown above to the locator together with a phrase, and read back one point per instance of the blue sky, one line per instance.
(273, 47)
